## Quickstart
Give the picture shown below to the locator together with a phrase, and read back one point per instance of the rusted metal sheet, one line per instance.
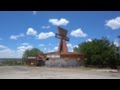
(62, 35)
(74, 56)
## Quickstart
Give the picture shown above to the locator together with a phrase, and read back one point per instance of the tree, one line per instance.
(99, 52)
(31, 53)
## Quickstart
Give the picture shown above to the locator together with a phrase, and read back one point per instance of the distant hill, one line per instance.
(10, 61)
(1, 59)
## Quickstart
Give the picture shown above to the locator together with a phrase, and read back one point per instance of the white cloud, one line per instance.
(56, 48)
(69, 45)
(116, 42)
(57, 22)
(20, 49)
(23, 48)
(15, 37)
(3, 47)
(50, 50)
(113, 23)
(25, 44)
(45, 48)
(9, 53)
(78, 33)
(45, 27)
(31, 32)
(6, 52)
(43, 35)
(89, 40)
(34, 12)
(75, 46)
(41, 45)
(71, 50)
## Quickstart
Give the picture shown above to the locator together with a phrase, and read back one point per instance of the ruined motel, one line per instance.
(62, 57)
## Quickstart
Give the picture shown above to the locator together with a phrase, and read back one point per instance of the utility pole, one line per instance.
(119, 47)
(118, 51)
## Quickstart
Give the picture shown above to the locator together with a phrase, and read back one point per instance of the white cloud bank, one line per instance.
(6, 52)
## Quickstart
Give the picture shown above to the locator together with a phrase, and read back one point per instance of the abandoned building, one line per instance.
(62, 52)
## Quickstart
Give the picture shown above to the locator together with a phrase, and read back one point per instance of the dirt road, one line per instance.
(24, 72)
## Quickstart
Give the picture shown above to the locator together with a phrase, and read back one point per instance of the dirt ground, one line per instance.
(24, 72)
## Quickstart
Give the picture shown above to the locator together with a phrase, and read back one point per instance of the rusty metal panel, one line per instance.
(62, 31)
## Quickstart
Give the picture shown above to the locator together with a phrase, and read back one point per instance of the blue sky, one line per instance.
(21, 30)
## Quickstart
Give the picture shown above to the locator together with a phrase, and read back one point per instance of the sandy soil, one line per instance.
(24, 72)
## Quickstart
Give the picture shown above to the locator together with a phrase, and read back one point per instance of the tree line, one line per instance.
(99, 53)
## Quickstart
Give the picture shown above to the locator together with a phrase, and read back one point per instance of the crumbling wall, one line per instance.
(63, 63)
